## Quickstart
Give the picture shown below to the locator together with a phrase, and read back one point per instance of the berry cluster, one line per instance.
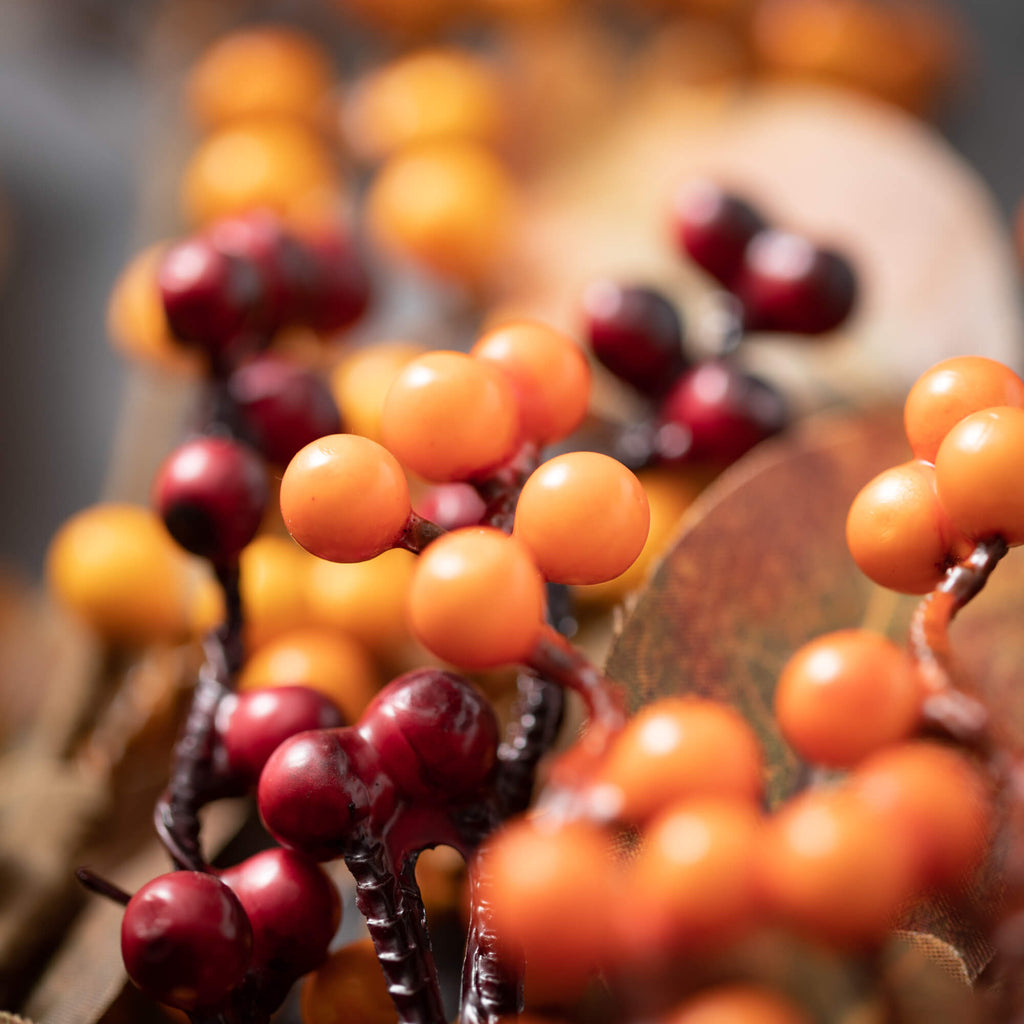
(964, 419)
(711, 411)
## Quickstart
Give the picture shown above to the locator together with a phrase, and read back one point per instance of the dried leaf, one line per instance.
(761, 566)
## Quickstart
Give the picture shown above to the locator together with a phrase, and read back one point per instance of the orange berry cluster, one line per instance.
(964, 419)
(681, 788)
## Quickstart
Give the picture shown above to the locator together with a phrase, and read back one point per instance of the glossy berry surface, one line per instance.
(292, 906)
(185, 939)
(448, 417)
(713, 228)
(845, 695)
(436, 736)
(345, 498)
(679, 748)
(451, 506)
(282, 407)
(477, 599)
(979, 474)
(253, 724)
(584, 516)
(211, 494)
(549, 372)
(337, 288)
(789, 284)
(210, 298)
(636, 333)
(951, 390)
(716, 413)
(900, 534)
(317, 787)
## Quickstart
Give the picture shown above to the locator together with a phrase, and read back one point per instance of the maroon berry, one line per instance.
(211, 494)
(337, 286)
(436, 736)
(317, 787)
(789, 284)
(636, 333)
(253, 724)
(293, 908)
(210, 298)
(715, 414)
(451, 506)
(713, 228)
(259, 238)
(185, 940)
(282, 407)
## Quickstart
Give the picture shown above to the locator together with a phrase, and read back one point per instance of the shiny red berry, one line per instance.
(293, 908)
(185, 940)
(451, 506)
(789, 284)
(282, 407)
(211, 299)
(317, 787)
(636, 333)
(337, 284)
(436, 736)
(211, 493)
(713, 228)
(253, 724)
(715, 413)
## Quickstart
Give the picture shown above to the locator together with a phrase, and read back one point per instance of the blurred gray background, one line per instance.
(75, 124)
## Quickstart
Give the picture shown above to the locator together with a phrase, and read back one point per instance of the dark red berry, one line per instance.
(317, 787)
(451, 506)
(211, 299)
(259, 237)
(185, 940)
(789, 284)
(715, 414)
(436, 736)
(636, 333)
(293, 908)
(211, 494)
(713, 228)
(281, 407)
(253, 724)
(337, 286)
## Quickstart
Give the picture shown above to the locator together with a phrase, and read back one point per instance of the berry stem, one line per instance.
(395, 919)
(418, 533)
(99, 885)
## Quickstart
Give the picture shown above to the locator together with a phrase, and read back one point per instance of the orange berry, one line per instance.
(136, 319)
(550, 373)
(679, 748)
(360, 383)
(584, 516)
(116, 567)
(940, 796)
(450, 417)
(274, 163)
(979, 474)
(942, 396)
(322, 659)
(349, 986)
(447, 206)
(256, 71)
(845, 695)
(692, 885)
(367, 600)
(423, 97)
(548, 888)
(899, 533)
(737, 1004)
(833, 867)
(345, 498)
(477, 599)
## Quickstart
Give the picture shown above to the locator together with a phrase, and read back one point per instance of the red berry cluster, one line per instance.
(711, 411)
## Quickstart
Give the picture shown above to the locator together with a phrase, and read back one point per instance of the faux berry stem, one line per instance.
(395, 918)
(418, 533)
(99, 885)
